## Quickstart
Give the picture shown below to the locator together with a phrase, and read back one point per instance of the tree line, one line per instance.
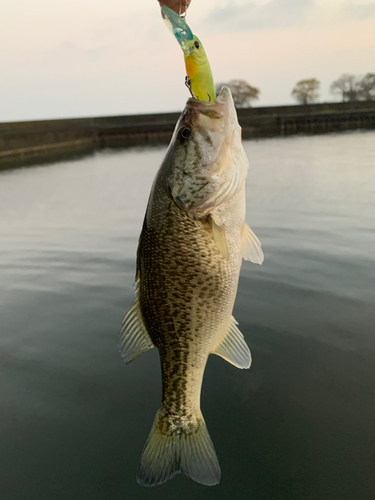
(349, 87)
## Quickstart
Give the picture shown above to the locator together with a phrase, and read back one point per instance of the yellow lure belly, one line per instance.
(199, 71)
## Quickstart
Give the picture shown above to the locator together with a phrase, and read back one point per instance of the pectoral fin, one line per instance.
(134, 338)
(233, 347)
(220, 238)
(251, 248)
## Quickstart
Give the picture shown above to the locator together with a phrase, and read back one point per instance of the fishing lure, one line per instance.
(199, 78)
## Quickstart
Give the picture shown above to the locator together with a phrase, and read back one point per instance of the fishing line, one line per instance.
(183, 15)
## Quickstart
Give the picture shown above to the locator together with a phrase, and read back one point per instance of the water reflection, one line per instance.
(297, 425)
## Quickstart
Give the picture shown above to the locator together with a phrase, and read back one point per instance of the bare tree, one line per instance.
(242, 92)
(306, 91)
(347, 86)
(367, 87)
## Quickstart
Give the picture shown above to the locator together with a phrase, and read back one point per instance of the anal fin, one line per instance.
(134, 338)
(233, 347)
(251, 248)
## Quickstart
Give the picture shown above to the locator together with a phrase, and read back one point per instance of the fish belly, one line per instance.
(187, 290)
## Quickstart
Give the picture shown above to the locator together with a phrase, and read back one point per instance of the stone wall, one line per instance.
(50, 136)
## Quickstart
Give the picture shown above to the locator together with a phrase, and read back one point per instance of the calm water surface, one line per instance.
(300, 424)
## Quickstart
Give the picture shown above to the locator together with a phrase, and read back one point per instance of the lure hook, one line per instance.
(188, 84)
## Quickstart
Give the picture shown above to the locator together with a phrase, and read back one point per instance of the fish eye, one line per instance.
(184, 134)
(196, 44)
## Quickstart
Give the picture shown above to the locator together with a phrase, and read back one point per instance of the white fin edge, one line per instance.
(134, 338)
(220, 238)
(166, 455)
(251, 248)
(233, 347)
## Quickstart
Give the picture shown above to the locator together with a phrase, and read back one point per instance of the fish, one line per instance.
(189, 256)
(200, 80)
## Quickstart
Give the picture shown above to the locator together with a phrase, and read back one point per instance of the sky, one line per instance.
(77, 58)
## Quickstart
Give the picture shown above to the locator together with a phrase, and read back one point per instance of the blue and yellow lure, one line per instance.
(199, 75)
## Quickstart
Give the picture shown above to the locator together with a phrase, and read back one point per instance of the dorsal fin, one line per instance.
(233, 347)
(134, 338)
(251, 248)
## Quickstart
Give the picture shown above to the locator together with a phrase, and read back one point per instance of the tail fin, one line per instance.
(183, 450)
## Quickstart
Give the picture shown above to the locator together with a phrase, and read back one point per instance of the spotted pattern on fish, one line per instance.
(193, 184)
(188, 262)
(184, 302)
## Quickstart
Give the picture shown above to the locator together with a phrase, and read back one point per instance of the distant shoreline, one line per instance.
(31, 139)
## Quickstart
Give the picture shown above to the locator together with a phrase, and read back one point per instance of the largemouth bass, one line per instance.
(193, 240)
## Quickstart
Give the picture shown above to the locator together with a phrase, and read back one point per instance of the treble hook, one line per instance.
(188, 84)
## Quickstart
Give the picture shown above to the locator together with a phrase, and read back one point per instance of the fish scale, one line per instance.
(183, 319)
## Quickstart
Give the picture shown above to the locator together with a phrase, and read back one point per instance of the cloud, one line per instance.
(256, 16)
(360, 12)
(284, 14)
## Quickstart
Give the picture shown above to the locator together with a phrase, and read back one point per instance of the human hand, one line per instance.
(179, 6)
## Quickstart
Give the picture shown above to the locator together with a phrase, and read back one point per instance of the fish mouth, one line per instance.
(214, 116)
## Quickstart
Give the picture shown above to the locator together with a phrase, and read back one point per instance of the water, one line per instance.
(298, 425)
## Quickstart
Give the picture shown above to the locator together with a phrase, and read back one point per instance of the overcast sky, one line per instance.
(72, 58)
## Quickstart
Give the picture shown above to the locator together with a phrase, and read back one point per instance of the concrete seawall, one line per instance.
(45, 137)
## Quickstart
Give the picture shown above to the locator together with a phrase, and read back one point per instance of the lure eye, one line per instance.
(196, 44)
(184, 134)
